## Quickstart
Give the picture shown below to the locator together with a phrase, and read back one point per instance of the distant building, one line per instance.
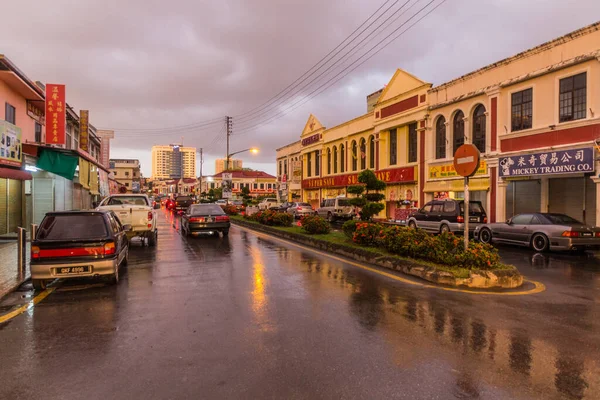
(105, 137)
(173, 162)
(259, 183)
(372, 99)
(234, 164)
(127, 172)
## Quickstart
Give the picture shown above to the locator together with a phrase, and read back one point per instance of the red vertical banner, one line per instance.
(84, 124)
(55, 114)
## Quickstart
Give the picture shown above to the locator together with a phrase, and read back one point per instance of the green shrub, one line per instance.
(367, 234)
(271, 218)
(230, 209)
(349, 228)
(314, 224)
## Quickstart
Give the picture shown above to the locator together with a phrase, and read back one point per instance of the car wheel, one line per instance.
(485, 236)
(539, 242)
(444, 229)
(153, 239)
(39, 284)
(330, 217)
(226, 233)
(412, 225)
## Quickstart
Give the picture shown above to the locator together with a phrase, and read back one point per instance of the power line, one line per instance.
(331, 82)
(353, 50)
(194, 125)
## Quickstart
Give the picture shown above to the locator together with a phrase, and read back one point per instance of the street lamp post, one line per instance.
(252, 150)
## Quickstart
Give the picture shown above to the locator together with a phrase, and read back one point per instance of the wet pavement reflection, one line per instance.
(250, 317)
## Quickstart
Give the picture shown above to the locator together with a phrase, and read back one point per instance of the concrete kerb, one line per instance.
(499, 279)
(13, 287)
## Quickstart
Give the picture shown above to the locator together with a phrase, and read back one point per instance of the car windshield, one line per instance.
(206, 209)
(343, 202)
(474, 208)
(562, 219)
(72, 227)
(184, 198)
(128, 200)
(238, 202)
(304, 205)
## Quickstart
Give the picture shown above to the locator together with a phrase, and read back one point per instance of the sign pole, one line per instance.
(466, 233)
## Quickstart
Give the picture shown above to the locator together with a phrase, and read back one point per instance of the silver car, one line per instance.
(541, 231)
(337, 208)
(299, 210)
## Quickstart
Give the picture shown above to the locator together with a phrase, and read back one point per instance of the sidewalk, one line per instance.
(9, 272)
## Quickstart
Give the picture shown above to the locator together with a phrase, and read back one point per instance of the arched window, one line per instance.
(479, 118)
(354, 156)
(363, 154)
(328, 161)
(372, 152)
(458, 131)
(342, 158)
(440, 138)
(335, 160)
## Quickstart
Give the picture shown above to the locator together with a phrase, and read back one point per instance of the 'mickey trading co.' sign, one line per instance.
(548, 163)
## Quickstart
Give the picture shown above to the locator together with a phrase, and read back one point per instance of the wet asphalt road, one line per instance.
(249, 317)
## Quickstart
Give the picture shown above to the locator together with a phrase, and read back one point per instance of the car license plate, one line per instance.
(73, 270)
(586, 234)
(473, 219)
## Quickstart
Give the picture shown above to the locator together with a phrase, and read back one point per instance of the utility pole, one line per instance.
(201, 162)
(228, 130)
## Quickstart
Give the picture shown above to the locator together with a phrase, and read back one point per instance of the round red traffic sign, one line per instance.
(466, 160)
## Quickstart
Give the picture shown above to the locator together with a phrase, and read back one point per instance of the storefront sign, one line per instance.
(10, 144)
(311, 139)
(84, 129)
(55, 114)
(296, 171)
(406, 174)
(548, 163)
(448, 171)
(35, 113)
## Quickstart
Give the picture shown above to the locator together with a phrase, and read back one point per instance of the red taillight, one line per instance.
(570, 234)
(299, 208)
(149, 215)
(460, 218)
(485, 220)
(70, 252)
(35, 252)
(109, 248)
(222, 218)
(597, 234)
(196, 219)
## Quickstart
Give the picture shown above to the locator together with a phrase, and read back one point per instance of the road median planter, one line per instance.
(506, 277)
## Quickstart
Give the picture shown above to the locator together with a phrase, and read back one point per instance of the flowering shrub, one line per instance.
(230, 209)
(367, 234)
(445, 249)
(314, 224)
(349, 228)
(271, 218)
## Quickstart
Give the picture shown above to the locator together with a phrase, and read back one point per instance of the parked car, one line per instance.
(222, 202)
(205, 218)
(134, 210)
(75, 244)
(541, 231)
(239, 204)
(337, 208)
(182, 203)
(283, 207)
(299, 210)
(267, 203)
(448, 215)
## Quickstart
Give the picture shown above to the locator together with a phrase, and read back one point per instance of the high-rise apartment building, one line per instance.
(173, 162)
(234, 164)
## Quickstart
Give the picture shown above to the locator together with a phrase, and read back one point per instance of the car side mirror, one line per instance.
(127, 227)
(509, 222)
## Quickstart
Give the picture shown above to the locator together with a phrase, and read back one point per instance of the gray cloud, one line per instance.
(153, 64)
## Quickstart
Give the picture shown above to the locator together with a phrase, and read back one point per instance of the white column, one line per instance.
(544, 195)
(597, 182)
(501, 201)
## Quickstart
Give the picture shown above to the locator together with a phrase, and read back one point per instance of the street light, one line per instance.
(252, 150)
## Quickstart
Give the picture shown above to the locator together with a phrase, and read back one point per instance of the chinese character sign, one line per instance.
(10, 144)
(55, 114)
(84, 116)
(548, 163)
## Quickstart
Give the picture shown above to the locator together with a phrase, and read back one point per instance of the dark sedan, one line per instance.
(205, 218)
(541, 231)
(75, 244)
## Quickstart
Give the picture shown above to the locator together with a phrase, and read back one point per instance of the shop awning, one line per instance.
(457, 185)
(11, 173)
(58, 163)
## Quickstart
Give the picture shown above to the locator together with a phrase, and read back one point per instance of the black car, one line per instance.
(182, 203)
(282, 207)
(443, 216)
(207, 218)
(75, 244)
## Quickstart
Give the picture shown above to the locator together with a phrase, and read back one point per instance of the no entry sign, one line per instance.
(466, 160)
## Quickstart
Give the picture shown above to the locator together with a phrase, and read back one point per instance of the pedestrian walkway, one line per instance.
(9, 271)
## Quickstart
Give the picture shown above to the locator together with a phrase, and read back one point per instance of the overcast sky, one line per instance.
(164, 68)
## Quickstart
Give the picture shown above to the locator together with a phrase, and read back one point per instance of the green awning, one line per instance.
(58, 163)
